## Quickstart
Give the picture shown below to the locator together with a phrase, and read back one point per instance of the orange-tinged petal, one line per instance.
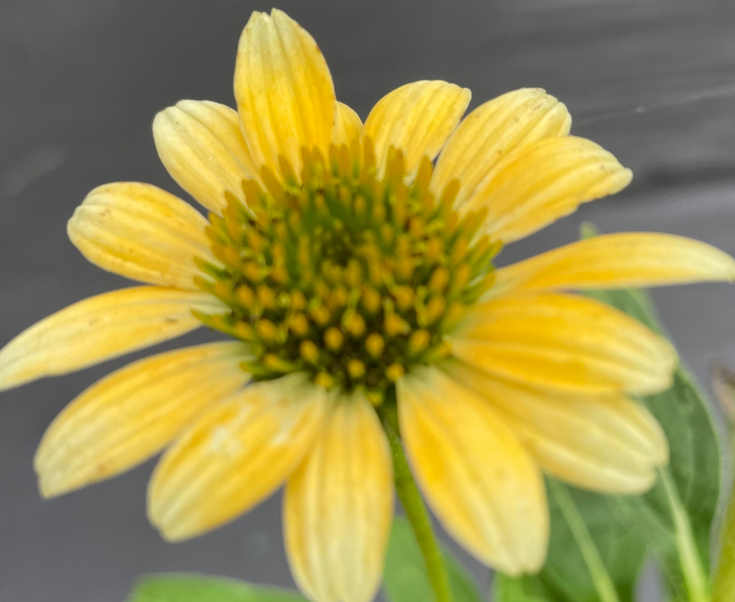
(479, 480)
(493, 130)
(417, 119)
(132, 414)
(97, 329)
(628, 259)
(201, 146)
(564, 342)
(339, 505)
(234, 456)
(544, 181)
(140, 232)
(348, 127)
(284, 91)
(609, 444)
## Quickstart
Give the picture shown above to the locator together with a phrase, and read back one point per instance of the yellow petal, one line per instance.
(97, 329)
(284, 91)
(201, 146)
(132, 414)
(234, 456)
(479, 480)
(608, 444)
(628, 259)
(339, 505)
(348, 127)
(493, 130)
(140, 232)
(565, 342)
(417, 119)
(544, 181)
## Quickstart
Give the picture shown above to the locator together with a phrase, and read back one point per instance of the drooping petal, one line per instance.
(348, 127)
(201, 146)
(284, 91)
(628, 259)
(97, 329)
(132, 414)
(479, 480)
(338, 507)
(565, 342)
(544, 181)
(493, 130)
(417, 119)
(140, 232)
(234, 456)
(609, 444)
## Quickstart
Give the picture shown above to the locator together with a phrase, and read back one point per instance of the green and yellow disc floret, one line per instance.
(346, 274)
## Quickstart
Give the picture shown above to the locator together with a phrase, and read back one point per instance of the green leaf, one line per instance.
(592, 555)
(598, 544)
(199, 588)
(676, 516)
(518, 589)
(405, 578)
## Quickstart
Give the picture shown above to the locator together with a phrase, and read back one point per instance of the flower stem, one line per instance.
(415, 509)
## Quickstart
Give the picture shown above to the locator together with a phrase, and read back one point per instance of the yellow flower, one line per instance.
(353, 272)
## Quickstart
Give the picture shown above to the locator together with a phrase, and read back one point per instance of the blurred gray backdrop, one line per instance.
(80, 82)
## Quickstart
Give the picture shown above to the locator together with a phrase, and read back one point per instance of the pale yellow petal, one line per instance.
(479, 480)
(339, 505)
(348, 127)
(544, 181)
(234, 456)
(201, 146)
(284, 91)
(417, 119)
(565, 342)
(97, 329)
(609, 444)
(628, 259)
(132, 414)
(140, 232)
(493, 130)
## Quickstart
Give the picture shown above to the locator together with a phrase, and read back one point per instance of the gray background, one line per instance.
(80, 81)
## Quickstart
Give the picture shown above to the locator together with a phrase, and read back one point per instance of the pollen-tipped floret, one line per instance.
(347, 274)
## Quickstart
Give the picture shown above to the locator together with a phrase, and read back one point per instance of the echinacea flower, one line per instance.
(351, 264)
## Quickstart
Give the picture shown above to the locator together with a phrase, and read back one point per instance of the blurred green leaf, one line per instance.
(599, 543)
(199, 588)
(518, 589)
(676, 516)
(405, 578)
(593, 556)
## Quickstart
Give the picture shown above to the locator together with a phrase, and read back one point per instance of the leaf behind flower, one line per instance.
(405, 578)
(672, 522)
(200, 588)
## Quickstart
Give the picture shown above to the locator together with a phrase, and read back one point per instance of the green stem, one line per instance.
(600, 577)
(695, 577)
(415, 509)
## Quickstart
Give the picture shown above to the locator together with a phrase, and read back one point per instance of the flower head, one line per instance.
(352, 269)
